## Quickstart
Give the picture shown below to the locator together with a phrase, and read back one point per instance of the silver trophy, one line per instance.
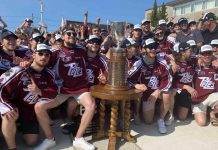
(118, 66)
(118, 31)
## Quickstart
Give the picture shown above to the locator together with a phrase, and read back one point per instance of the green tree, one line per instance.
(154, 15)
(162, 13)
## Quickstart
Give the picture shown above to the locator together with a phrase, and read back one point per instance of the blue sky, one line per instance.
(14, 12)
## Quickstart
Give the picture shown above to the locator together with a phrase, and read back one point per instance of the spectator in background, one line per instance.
(36, 39)
(26, 26)
(210, 27)
(22, 40)
(214, 44)
(192, 25)
(186, 34)
(146, 29)
(163, 25)
(4, 25)
(137, 33)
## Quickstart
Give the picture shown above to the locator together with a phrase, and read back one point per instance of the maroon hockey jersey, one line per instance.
(70, 69)
(205, 82)
(93, 67)
(154, 76)
(13, 95)
(184, 74)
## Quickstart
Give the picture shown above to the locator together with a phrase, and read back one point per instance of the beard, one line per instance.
(41, 64)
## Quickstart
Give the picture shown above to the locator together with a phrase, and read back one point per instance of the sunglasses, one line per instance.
(71, 34)
(207, 53)
(137, 30)
(159, 34)
(214, 46)
(43, 54)
(152, 46)
(94, 42)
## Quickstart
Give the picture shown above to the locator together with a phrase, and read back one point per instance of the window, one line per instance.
(210, 4)
(198, 6)
(187, 9)
(178, 11)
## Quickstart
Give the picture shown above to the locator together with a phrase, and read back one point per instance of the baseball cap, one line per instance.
(57, 37)
(137, 26)
(7, 33)
(67, 28)
(149, 43)
(29, 20)
(182, 20)
(191, 42)
(192, 22)
(162, 21)
(38, 37)
(43, 48)
(145, 20)
(94, 38)
(214, 42)
(206, 48)
(208, 16)
(184, 46)
(129, 42)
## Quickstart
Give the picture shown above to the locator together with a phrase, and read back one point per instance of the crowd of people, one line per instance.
(174, 64)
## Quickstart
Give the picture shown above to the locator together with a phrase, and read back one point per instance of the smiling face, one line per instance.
(9, 43)
(69, 37)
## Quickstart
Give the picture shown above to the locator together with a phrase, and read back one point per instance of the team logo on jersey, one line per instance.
(24, 77)
(66, 59)
(153, 82)
(62, 54)
(186, 77)
(30, 99)
(74, 70)
(90, 75)
(206, 83)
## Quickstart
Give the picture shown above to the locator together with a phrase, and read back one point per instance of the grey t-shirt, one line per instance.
(192, 35)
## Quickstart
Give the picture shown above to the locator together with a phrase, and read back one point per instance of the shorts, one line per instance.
(183, 99)
(29, 127)
(210, 101)
(61, 98)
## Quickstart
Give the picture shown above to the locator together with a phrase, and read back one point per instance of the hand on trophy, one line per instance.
(102, 77)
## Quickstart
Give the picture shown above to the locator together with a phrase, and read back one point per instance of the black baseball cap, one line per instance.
(67, 28)
(208, 16)
(184, 46)
(182, 20)
(7, 33)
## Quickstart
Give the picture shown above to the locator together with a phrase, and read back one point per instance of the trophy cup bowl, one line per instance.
(118, 65)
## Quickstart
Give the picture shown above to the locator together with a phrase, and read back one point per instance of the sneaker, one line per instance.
(81, 143)
(46, 144)
(161, 126)
(170, 120)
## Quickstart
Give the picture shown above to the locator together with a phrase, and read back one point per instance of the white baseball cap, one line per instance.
(206, 48)
(162, 21)
(191, 43)
(214, 42)
(43, 48)
(145, 20)
(137, 26)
